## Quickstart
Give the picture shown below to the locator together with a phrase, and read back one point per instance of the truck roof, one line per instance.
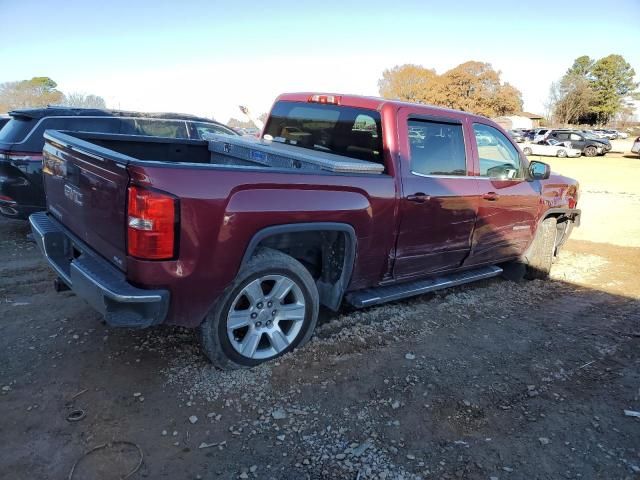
(53, 111)
(371, 103)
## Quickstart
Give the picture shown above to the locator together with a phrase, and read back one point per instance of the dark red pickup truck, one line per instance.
(344, 199)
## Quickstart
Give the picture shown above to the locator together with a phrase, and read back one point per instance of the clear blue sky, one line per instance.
(206, 57)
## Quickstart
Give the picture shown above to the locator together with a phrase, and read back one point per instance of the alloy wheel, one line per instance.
(266, 317)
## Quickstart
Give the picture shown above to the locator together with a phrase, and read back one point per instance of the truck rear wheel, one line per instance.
(270, 309)
(539, 257)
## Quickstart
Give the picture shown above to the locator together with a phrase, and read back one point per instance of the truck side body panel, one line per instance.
(221, 211)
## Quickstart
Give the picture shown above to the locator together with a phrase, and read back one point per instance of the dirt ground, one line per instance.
(498, 380)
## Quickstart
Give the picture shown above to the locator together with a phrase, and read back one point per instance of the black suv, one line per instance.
(590, 145)
(21, 143)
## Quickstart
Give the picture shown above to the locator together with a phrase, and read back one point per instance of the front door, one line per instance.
(439, 195)
(509, 203)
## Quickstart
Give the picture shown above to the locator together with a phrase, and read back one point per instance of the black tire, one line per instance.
(590, 151)
(213, 330)
(539, 257)
(526, 151)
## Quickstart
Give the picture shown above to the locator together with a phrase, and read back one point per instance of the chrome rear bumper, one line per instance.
(91, 277)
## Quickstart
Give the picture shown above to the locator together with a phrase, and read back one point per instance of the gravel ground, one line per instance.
(497, 380)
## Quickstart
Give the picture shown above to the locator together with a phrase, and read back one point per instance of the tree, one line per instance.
(571, 98)
(79, 100)
(472, 87)
(409, 83)
(593, 91)
(581, 66)
(612, 80)
(37, 92)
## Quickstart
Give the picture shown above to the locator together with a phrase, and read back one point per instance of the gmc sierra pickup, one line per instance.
(342, 199)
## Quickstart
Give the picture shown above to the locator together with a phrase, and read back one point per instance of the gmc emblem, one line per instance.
(73, 194)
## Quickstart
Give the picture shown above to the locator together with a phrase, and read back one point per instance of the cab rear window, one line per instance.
(352, 132)
(16, 130)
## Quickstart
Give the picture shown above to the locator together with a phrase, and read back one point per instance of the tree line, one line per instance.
(590, 92)
(40, 92)
(593, 91)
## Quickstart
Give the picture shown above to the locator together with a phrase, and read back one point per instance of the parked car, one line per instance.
(540, 134)
(636, 146)
(602, 134)
(21, 143)
(551, 148)
(588, 145)
(245, 238)
(620, 134)
(517, 136)
(4, 119)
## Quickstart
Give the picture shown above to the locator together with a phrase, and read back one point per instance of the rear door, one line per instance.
(509, 204)
(577, 141)
(86, 188)
(439, 196)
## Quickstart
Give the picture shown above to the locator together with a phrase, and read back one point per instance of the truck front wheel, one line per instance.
(270, 309)
(539, 257)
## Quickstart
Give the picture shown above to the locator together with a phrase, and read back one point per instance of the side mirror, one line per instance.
(539, 170)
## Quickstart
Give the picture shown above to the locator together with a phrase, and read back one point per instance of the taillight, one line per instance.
(151, 224)
(20, 156)
(328, 99)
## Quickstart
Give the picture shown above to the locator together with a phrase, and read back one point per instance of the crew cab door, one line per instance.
(509, 203)
(439, 196)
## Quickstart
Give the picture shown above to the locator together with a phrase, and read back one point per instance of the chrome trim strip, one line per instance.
(442, 176)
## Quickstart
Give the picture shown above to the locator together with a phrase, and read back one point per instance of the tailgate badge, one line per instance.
(73, 194)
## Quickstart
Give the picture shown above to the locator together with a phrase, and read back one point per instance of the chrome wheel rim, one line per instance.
(266, 317)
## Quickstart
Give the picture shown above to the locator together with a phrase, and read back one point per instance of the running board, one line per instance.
(375, 296)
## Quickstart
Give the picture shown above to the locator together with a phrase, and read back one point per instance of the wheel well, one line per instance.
(326, 254)
(564, 226)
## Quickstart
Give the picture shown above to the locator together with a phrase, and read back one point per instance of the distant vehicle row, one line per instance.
(587, 143)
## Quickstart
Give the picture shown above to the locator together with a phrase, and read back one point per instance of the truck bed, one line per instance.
(222, 150)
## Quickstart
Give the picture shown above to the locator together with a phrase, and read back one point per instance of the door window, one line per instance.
(575, 137)
(498, 157)
(436, 148)
(202, 129)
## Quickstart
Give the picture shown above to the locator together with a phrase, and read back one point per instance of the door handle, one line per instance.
(491, 196)
(418, 197)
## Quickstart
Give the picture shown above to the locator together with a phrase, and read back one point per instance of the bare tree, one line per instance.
(79, 100)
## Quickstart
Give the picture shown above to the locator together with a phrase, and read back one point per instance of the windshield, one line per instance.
(352, 132)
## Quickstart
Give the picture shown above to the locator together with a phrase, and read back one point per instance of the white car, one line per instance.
(551, 148)
(622, 134)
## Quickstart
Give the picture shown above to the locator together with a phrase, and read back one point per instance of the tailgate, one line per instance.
(86, 188)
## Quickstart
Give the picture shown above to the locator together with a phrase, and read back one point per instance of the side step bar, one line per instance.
(375, 296)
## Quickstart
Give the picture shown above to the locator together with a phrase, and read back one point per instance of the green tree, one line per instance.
(581, 66)
(593, 91)
(612, 79)
(37, 92)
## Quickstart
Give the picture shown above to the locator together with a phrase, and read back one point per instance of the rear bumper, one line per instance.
(95, 280)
